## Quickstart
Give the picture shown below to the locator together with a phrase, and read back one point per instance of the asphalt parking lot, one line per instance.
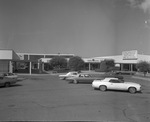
(46, 98)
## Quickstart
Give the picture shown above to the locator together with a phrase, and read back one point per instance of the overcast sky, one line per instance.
(87, 28)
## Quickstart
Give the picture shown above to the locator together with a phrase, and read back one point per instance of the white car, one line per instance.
(116, 84)
(68, 75)
(10, 75)
(7, 81)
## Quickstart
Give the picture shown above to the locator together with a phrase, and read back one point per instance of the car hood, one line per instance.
(62, 75)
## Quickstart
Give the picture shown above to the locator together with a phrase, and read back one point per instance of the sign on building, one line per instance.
(21, 56)
(130, 55)
(93, 61)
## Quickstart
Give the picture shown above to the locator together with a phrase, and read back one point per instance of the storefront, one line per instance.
(91, 64)
(12, 62)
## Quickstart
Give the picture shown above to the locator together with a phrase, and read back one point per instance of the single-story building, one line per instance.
(7, 57)
(126, 61)
(11, 61)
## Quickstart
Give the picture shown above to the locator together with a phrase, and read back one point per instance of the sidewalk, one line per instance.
(142, 78)
(27, 74)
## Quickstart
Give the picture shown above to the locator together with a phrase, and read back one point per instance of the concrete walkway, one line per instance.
(142, 78)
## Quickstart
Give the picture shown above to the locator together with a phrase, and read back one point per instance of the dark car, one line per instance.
(113, 75)
(82, 78)
(125, 72)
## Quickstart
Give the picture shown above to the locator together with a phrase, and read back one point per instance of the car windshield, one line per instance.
(87, 75)
(116, 81)
(81, 75)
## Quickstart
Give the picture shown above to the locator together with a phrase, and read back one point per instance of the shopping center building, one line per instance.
(126, 61)
(10, 61)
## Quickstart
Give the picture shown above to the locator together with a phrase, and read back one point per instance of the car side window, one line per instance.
(80, 75)
(86, 75)
(114, 81)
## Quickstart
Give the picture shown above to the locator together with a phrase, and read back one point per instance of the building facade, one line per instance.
(32, 62)
(126, 61)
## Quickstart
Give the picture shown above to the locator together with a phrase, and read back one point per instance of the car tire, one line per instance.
(75, 81)
(64, 78)
(102, 88)
(7, 84)
(132, 90)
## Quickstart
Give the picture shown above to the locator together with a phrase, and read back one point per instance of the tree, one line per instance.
(110, 63)
(76, 63)
(143, 66)
(58, 62)
(107, 65)
(103, 67)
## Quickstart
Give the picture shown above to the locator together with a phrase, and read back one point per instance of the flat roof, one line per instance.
(46, 54)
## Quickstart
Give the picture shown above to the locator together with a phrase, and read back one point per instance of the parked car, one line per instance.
(125, 72)
(84, 78)
(10, 75)
(69, 74)
(116, 84)
(112, 74)
(7, 81)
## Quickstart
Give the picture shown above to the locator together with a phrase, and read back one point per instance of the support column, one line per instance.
(121, 65)
(89, 66)
(38, 66)
(28, 57)
(30, 68)
(10, 67)
(42, 66)
(131, 67)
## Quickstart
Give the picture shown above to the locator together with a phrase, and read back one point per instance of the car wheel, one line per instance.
(132, 90)
(7, 84)
(75, 81)
(103, 88)
(64, 78)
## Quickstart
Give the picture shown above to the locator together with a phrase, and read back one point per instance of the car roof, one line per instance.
(73, 72)
(111, 78)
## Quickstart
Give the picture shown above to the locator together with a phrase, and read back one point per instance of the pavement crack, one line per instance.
(58, 106)
(124, 113)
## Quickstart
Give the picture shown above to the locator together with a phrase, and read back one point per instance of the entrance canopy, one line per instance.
(6, 58)
(8, 55)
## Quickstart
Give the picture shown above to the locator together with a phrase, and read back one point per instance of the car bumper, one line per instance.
(94, 85)
(140, 89)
